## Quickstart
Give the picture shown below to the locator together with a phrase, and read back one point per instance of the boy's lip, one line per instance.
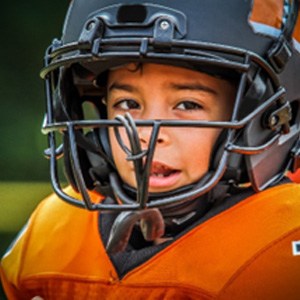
(162, 175)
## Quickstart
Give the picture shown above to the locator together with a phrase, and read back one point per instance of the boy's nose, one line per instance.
(145, 134)
(153, 113)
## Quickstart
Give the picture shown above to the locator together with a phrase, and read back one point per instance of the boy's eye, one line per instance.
(188, 105)
(127, 104)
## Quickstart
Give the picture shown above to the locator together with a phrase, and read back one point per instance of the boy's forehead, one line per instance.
(161, 68)
(176, 76)
(178, 82)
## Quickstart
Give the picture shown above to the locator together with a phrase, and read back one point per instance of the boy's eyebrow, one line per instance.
(194, 87)
(122, 87)
(176, 86)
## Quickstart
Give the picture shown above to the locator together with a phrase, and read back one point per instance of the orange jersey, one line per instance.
(249, 251)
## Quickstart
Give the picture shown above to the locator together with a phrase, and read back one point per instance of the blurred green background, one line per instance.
(27, 29)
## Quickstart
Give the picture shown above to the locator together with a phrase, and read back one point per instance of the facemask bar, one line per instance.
(136, 154)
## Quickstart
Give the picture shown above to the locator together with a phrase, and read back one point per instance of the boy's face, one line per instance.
(154, 91)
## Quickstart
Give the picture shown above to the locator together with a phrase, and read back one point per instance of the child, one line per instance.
(178, 122)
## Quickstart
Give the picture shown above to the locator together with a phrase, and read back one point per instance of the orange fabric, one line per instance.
(243, 253)
(295, 176)
(296, 33)
(268, 12)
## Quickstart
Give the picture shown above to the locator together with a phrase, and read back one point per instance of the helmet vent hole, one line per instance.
(132, 14)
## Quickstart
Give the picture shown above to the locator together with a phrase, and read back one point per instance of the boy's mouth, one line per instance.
(161, 170)
(162, 175)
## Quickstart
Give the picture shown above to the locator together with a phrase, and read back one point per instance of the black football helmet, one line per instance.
(256, 44)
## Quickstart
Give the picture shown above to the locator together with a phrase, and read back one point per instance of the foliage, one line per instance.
(28, 27)
(17, 201)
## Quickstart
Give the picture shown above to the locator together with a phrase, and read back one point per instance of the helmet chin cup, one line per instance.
(151, 224)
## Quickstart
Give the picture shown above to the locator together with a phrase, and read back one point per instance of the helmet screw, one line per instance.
(90, 25)
(164, 25)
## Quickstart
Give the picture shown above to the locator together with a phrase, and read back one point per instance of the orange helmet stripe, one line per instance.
(267, 12)
(296, 33)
